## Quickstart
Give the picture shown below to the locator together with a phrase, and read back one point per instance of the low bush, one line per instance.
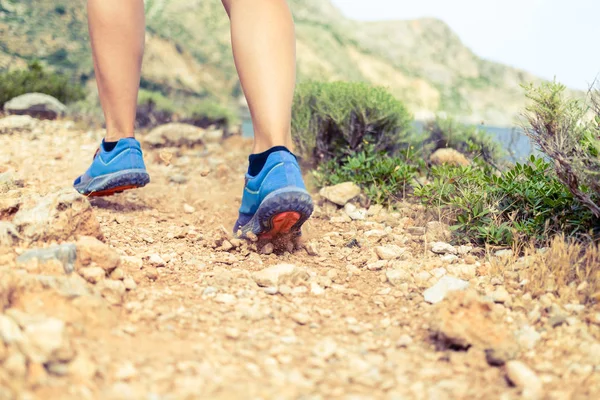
(332, 121)
(36, 79)
(562, 131)
(526, 202)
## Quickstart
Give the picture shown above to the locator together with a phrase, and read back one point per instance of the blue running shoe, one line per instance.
(275, 201)
(114, 171)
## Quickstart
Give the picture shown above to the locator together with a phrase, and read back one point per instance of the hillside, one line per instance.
(422, 61)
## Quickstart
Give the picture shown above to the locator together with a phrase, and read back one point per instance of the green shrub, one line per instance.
(446, 132)
(331, 121)
(207, 113)
(153, 109)
(36, 79)
(382, 178)
(525, 202)
(561, 130)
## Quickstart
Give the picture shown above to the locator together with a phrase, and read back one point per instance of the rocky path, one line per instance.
(162, 303)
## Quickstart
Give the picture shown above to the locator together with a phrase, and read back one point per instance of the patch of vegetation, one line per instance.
(153, 109)
(208, 112)
(561, 130)
(487, 203)
(36, 79)
(383, 179)
(332, 121)
(526, 202)
(444, 132)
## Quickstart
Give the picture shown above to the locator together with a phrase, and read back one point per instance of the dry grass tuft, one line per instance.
(567, 268)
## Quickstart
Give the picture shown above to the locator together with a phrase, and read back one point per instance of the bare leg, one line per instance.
(117, 35)
(264, 49)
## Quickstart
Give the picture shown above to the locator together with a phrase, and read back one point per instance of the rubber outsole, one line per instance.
(282, 212)
(107, 185)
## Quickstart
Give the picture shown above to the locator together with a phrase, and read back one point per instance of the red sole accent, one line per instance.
(110, 192)
(282, 224)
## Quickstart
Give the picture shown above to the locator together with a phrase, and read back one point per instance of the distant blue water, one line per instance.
(513, 140)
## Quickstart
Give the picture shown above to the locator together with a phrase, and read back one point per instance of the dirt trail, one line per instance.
(346, 320)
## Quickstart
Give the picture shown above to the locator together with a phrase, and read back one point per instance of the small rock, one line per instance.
(355, 213)
(443, 248)
(527, 337)
(113, 291)
(404, 341)
(232, 333)
(17, 123)
(126, 372)
(15, 365)
(43, 339)
(131, 262)
(449, 156)
(377, 265)
(9, 330)
(316, 289)
(156, 261)
(58, 217)
(226, 245)
(397, 277)
(91, 250)
(151, 273)
(36, 104)
(524, 378)
(267, 248)
(64, 254)
(129, 283)
(446, 284)
(448, 258)
(416, 230)
(188, 209)
(340, 194)
(92, 274)
(390, 252)
(325, 349)
(462, 250)
(501, 295)
(117, 274)
(8, 234)
(301, 318)
(180, 179)
(225, 298)
(277, 274)
(311, 249)
(82, 367)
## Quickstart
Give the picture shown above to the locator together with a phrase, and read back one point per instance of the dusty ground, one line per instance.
(183, 315)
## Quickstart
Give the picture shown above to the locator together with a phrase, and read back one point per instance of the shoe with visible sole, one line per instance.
(275, 202)
(114, 171)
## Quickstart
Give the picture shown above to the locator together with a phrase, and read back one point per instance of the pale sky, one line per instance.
(546, 37)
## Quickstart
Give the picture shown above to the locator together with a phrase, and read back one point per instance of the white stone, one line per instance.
(9, 330)
(446, 284)
(340, 194)
(42, 338)
(443, 248)
(525, 378)
(390, 252)
(356, 214)
(274, 275)
(156, 261)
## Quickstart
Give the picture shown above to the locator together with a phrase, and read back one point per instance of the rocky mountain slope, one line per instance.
(149, 297)
(422, 61)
